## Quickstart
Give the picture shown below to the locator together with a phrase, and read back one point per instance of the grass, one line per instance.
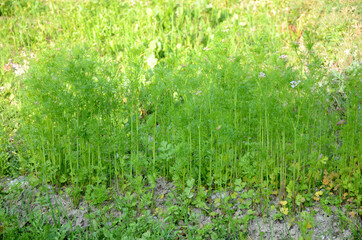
(100, 95)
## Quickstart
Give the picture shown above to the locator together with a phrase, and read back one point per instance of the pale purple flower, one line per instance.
(232, 58)
(262, 75)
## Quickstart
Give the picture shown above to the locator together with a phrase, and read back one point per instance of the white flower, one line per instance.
(151, 60)
(19, 72)
(294, 83)
(20, 69)
(283, 56)
(262, 75)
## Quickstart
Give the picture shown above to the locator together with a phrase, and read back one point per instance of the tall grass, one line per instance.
(203, 93)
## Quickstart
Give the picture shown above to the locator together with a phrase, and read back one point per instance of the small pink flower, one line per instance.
(7, 67)
(341, 122)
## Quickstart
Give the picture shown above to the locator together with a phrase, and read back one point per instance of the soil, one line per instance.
(44, 198)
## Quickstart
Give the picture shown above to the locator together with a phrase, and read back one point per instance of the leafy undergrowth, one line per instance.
(260, 100)
(160, 211)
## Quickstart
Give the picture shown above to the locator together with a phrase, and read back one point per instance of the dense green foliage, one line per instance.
(125, 92)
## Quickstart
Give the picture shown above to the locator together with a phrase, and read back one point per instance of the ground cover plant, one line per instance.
(180, 119)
